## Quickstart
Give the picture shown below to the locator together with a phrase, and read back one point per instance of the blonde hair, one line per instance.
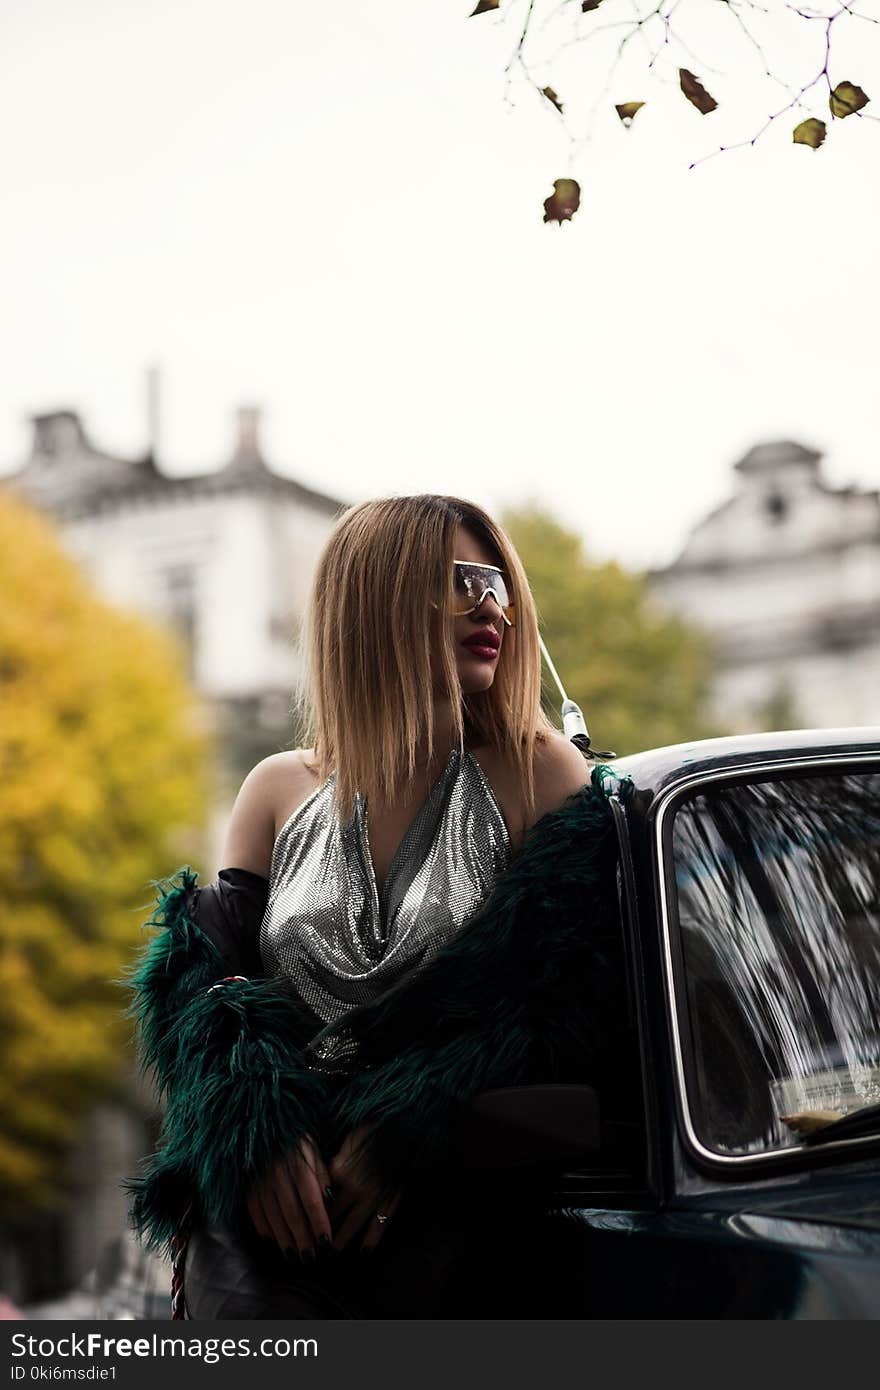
(380, 610)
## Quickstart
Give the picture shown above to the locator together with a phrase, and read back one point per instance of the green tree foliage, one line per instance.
(639, 676)
(780, 708)
(103, 776)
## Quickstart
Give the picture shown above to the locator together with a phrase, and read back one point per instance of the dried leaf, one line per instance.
(627, 110)
(563, 202)
(587, 5)
(810, 132)
(847, 98)
(695, 92)
(549, 93)
(483, 6)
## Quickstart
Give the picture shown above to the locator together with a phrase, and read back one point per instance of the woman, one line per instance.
(386, 936)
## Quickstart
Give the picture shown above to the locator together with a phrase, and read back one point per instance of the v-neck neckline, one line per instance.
(380, 893)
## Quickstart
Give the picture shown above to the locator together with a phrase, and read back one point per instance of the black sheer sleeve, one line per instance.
(230, 912)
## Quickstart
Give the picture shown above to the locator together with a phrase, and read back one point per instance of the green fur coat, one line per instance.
(529, 990)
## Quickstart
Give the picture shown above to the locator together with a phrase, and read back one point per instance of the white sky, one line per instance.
(332, 211)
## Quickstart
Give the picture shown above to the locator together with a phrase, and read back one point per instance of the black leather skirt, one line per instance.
(422, 1268)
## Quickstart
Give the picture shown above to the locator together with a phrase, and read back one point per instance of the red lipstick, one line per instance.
(484, 643)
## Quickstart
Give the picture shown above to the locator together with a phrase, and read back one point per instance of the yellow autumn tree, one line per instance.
(640, 676)
(104, 770)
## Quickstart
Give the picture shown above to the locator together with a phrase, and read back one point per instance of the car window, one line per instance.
(777, 900)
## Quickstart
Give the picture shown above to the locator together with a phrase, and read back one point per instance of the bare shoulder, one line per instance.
(268, 796)
(295, 777)
(560, 771)
(504, 784)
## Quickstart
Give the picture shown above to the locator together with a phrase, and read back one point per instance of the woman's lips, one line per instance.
(484, 645)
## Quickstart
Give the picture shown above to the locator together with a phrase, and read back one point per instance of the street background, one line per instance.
(261, 261)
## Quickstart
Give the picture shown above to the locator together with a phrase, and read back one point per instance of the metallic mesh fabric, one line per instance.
(338, 939)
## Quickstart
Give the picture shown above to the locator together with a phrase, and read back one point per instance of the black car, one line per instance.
(748, 1184)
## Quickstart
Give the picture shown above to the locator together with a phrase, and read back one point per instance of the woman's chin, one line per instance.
(475, 681)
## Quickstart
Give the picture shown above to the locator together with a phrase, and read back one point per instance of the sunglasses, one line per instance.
(472, 583)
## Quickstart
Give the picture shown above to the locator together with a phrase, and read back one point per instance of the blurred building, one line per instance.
(226, 559)
(785, 578)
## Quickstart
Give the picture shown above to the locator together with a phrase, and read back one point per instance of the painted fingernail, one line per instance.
(325, 1241)
(329, 1193)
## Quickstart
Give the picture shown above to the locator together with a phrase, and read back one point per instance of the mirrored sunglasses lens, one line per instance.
(466, 584)
(472, 584)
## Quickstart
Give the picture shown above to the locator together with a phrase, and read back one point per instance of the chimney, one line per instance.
(248, 441)
(58, 432)
(154, 407)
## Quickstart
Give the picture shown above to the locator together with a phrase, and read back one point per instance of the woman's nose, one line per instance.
(488, 610)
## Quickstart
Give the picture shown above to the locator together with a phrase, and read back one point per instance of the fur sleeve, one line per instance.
(229, 1063)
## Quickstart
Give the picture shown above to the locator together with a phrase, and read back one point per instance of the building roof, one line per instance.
(775, 454)
(781, 510)
(66, 474)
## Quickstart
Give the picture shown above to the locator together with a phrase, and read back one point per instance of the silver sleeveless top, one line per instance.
(343, 942)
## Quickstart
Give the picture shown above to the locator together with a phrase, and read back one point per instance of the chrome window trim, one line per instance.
(667, 800)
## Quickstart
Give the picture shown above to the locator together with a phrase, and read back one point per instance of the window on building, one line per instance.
(180, 603)
(285, 627)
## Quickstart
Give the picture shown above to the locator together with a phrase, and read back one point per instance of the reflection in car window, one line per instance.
(778, 902)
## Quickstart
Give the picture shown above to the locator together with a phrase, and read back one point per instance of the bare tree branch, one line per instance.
(670, 33)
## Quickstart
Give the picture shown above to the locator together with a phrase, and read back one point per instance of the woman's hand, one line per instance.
(288, 1206)
(358, 1202)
